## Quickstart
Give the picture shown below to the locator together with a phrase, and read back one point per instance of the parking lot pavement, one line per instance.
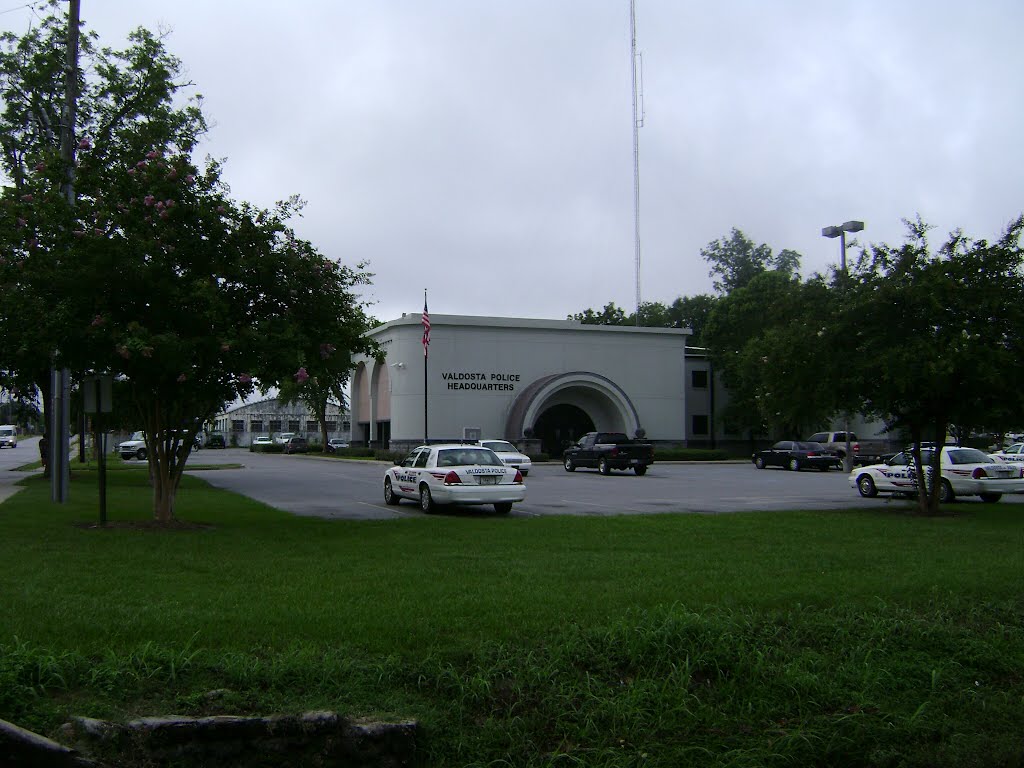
(353, 490)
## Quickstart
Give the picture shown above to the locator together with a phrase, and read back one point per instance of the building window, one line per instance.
(312, 426)
(275, 425)
(293, 425)
(700, 425)
(699, 379)
(256, 425)
(346, 426)
(332, 426)
(237, 425)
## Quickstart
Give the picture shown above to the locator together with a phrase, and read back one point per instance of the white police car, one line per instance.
(965, 472)
(452, 473)
(509, 454)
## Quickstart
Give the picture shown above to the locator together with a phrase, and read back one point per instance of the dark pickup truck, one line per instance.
(606, 451)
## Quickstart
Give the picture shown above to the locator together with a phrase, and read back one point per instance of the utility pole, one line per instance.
(59, 414)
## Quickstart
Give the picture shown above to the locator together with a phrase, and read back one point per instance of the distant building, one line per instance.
(271, 417)
(502, 377)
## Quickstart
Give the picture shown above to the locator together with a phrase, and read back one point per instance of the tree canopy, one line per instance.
(155, 274)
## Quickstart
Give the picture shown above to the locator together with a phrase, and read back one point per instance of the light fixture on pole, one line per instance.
(840, 232)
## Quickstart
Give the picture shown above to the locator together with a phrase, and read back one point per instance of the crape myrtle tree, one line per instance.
(155, 275)
(934, 337)
(324, 371)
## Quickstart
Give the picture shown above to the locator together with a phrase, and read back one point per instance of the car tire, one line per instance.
(946, 495)
(390, 497)
(141, 454)
(503, 507)
(569, 466)
(793, 465)
(640, 469)
(991, 498)
(759, 462)
(426, 500)
(866, 487)
(602, 466)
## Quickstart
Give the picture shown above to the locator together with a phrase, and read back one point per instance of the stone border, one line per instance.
(225, 741)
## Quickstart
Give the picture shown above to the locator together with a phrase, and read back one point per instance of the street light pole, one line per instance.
(840, 232)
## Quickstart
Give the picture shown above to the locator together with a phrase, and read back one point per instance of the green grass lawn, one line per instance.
(868, 637)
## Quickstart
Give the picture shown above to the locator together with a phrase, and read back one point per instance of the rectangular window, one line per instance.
(256, 425)
(699, 379)
(346, 426)
(700, 425)
(275, 425)
(293, 425)
(237, 425)
(312, 426)
(332, 426)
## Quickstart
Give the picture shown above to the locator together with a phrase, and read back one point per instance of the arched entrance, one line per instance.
(564, 406)
(560, 426)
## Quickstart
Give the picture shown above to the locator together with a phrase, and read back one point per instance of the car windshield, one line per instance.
(460, 457)
(500, 446)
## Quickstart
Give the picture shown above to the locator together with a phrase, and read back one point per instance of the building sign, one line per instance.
(481, 382)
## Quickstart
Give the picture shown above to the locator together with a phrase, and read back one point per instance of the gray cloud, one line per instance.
(483, 150)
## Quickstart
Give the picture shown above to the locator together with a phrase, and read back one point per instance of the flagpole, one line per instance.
(426, 358)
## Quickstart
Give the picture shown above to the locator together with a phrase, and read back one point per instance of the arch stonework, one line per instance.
(608, 406)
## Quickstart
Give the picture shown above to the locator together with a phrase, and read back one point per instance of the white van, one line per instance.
(8, 436)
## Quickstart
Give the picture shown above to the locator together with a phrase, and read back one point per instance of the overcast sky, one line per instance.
(482, 149)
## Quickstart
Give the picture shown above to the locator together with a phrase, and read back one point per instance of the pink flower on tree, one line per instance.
(84, 144)
(244, 378)
(152, 155)
(326, 350)
(301, 376)
(148, 200)
(182, 378)
(124, 352)
(97, 321)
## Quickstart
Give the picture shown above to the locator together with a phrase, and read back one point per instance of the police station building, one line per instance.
(510, 378)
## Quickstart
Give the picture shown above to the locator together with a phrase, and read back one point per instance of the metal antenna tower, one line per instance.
(638, 122)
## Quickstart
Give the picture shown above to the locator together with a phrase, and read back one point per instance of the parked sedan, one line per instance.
(795, 455)
(261, 443)
(296, 444)
(334, 443)
(509, 454)
(454, 474)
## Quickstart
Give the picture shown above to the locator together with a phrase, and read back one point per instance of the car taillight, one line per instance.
(452, 479)
(614, 451)
(856, 447)
(518, 478)
(979, 473)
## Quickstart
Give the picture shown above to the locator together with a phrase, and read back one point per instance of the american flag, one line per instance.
(426, 326)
